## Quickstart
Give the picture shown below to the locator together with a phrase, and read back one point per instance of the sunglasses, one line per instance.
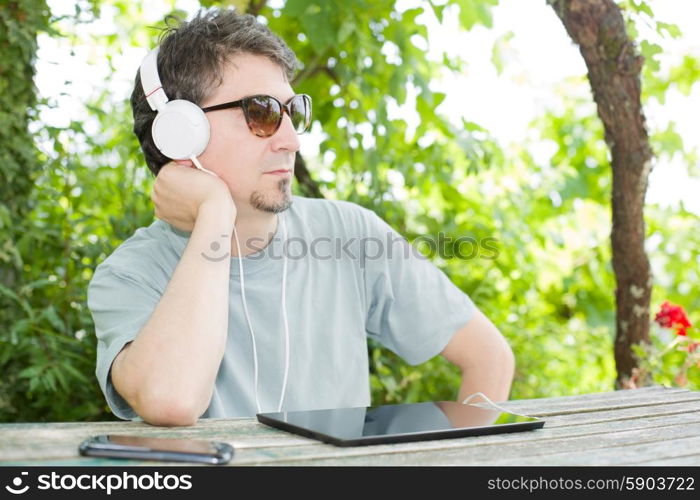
(263, 113)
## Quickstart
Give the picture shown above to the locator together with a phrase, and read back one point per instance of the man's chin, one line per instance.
(271, 203)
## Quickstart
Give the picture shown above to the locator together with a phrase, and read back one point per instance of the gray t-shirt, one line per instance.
(349, 276)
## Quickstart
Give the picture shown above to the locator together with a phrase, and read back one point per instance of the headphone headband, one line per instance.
(179, 130)
(150, 81)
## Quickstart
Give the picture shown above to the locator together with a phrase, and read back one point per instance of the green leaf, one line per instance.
(8, 293)
(649, 51)
(501, 46)
(346, 29)
(71, 370)
(671, 30)
(668, 141)
(473, 12)
(30, 372)
(50, 314)
(438, 10)
(643, 7)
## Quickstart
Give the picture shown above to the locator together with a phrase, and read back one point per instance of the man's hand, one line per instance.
(180, 190)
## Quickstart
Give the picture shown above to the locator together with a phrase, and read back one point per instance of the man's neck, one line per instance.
(255, 230)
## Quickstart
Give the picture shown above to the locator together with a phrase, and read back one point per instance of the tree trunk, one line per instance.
(20, 21)
(614, 70)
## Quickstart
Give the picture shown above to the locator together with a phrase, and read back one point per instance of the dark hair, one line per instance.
(191, 62)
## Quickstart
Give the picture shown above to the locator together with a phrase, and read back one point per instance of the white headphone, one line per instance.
(181, 131)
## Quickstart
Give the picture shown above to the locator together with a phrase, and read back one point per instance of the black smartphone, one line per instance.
(156, 448)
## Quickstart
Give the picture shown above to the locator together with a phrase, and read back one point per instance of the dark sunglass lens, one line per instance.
(263, 115)
(301, 113)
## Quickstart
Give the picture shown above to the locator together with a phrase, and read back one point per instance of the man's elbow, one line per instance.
(168, 412)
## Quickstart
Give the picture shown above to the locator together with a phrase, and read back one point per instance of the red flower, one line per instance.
(673, 316)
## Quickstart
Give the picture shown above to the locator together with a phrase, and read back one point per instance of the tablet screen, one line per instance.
(397, 423)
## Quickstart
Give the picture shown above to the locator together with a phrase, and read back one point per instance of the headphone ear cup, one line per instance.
(180, 130)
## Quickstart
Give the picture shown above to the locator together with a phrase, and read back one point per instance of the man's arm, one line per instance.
(484, 357)
(167, 374)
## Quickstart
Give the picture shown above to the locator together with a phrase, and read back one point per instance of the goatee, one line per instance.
(274, 202)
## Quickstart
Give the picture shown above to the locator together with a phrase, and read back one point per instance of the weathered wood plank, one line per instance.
(249, 426)
(568, 417)
(693, 458)
(586, 424)
(634, 412)
(316, 451)
(629, 447)
(597, 397)
(625, 400)
(51, 444)
(631, 454)
(634, 397)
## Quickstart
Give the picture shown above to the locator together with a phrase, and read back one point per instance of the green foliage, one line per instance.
(19, 23)
(19, 168)
(672, 357)
(84, 206)
(546, 280)
(674, 246)
(90, 193)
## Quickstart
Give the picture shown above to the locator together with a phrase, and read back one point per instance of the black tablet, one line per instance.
(399, 423)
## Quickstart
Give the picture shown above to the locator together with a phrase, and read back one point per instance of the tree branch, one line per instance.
(310, 68)
(308, 186)
(254, 7)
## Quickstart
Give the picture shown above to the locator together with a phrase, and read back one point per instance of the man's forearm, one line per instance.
(492, 375)
(168, 372)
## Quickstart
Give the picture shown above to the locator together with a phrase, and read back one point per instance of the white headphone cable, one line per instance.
(284, 315)
(247, 317)
(466, 401)
(200, 167)
(245, 305)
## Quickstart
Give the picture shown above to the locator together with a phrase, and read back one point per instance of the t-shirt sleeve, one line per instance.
(120, 304)
(413, 308)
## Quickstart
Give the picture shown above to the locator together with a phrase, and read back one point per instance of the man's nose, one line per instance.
(286, 137)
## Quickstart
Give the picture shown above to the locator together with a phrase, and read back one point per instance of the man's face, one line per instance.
(240, 158)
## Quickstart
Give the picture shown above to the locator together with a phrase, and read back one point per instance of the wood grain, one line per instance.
(648, 426)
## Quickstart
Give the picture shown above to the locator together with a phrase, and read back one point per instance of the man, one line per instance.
(182, 333)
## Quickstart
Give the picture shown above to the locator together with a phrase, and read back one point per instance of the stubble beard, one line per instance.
(277, 200)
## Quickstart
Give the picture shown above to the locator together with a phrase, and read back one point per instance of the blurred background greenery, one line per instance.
(74, 189)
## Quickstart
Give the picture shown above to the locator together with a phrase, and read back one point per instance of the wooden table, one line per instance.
(649, 426)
